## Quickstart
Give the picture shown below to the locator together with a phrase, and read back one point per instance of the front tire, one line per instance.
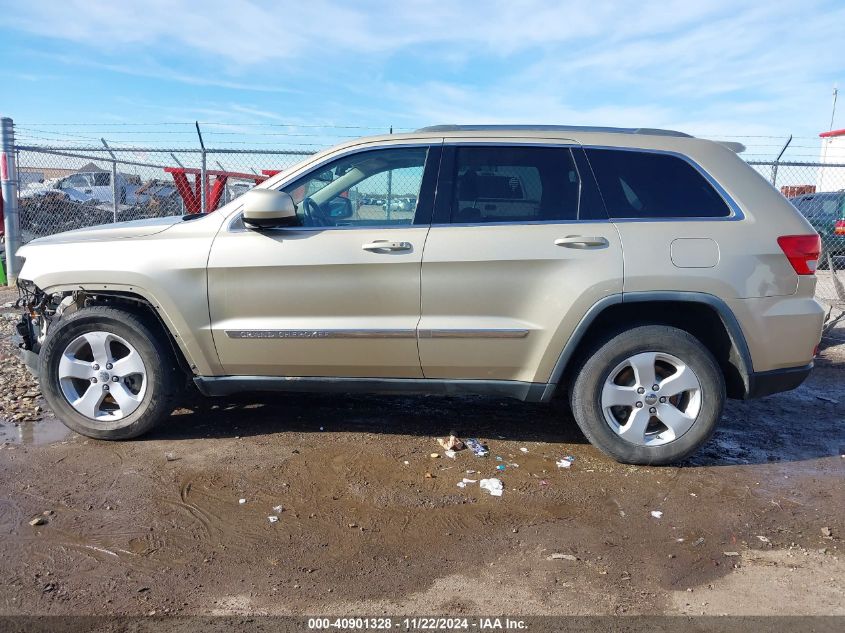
(107, 373)
(649, 395)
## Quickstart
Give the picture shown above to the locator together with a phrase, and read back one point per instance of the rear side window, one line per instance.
(102, 179)
(514, 184)
(651, 185)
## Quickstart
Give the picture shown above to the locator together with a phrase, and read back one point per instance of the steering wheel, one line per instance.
(313, 213)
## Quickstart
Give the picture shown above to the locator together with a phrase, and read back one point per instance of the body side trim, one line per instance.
(228, 385)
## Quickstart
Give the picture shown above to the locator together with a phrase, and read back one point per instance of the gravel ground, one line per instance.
(370, 523)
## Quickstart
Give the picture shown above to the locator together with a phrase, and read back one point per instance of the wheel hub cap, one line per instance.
(651, 398)
(98, 394)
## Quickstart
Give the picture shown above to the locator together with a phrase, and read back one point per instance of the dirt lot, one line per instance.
(372, 524)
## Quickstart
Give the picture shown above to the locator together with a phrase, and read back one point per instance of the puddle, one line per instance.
(46, 431)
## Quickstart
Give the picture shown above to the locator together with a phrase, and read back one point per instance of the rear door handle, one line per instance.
(579, 241)
(383, 246)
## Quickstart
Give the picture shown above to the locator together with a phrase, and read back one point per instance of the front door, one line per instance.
(519, 249)
(339, 294)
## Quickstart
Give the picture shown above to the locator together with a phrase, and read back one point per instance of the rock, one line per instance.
(731, 553)
(40, 520)
(827, 532)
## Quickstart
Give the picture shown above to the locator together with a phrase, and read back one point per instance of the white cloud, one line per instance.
(729, 65)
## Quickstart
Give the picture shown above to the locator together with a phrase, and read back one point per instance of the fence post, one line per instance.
(203, 172)
(9, 188)
(113, 179)
(777, 160)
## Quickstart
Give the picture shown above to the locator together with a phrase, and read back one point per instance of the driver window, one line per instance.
(376, 188)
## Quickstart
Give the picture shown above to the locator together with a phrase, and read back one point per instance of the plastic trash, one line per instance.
(450, 453)
(500, 467)
(565, 462)
(241, 501)
(465, 481)
(278, 509)
(523, 449)
(493, 486)
(451, 443)
(435, 456)
(559, 556)
(477, 447)
(272, 518)
(656, 514)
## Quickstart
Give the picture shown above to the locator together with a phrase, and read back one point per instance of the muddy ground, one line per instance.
(371, 523)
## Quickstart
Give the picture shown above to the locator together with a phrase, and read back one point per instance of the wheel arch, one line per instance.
(135, 301)
(705, 316)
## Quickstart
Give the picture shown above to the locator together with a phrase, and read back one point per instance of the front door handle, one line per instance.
(579, 241)
(383, 246)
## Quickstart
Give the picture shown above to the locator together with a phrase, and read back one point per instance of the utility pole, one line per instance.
(833, 109)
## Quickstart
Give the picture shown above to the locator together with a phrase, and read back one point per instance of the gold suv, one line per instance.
(641, 275)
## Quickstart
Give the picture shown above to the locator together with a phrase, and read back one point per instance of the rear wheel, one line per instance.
(107, 373)
(649, 395)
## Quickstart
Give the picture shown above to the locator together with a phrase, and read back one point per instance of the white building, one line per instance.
(832, 153)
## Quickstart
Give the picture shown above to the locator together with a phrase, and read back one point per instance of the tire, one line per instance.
(682, 423)
(136, 401)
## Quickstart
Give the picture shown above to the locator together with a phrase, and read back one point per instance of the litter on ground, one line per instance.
(450, 453)
(500, 467)
(451, 443)
(272, 518)
(278, 509)
(565, 462)
(465, 481)
(559, 556)
(477, 447)
(523, 449)
(656, 514)
(493, 486)
(241, 501)
(435, 455)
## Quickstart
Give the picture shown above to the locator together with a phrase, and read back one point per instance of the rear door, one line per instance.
(519, 250)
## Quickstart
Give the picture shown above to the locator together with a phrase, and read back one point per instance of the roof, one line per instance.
(832, 133)
(553, 128)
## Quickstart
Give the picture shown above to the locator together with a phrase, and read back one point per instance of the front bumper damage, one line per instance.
(31, 327)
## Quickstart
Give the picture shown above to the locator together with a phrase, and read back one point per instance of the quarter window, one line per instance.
(514, 184)
(652, 185)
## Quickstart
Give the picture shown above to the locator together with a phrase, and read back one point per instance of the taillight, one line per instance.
(839, 227)
(802, 251)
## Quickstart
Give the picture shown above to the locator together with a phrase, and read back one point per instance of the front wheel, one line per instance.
(649, 395)
(107, 373)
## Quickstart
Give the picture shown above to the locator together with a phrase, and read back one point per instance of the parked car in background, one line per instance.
(639, 276)
(826, 212)
(85, 186)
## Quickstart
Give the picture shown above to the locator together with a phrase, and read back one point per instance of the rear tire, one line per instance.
(630, 420)
(108, 373)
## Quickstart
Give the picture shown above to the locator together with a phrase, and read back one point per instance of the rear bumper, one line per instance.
(765, 383)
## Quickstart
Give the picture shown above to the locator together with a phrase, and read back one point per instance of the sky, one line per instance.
(308, 73)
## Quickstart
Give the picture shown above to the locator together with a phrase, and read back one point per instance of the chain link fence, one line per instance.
(68, 186)
(64, 188)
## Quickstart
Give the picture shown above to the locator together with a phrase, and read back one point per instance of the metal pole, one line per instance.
(114, 193)
(777, 160)
(203, 171)
(9, 188)
(833, 109)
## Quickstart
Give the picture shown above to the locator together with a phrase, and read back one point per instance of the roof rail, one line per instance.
(552, 128)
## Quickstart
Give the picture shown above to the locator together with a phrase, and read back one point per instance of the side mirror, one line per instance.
(266, 209)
